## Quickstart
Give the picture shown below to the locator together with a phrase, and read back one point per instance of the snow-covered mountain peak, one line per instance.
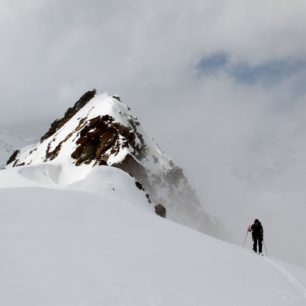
(99, 130)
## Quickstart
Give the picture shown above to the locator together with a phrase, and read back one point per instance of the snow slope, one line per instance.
(98, 242)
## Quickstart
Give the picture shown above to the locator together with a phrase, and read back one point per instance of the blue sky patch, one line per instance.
(212, 63)
(269, 72)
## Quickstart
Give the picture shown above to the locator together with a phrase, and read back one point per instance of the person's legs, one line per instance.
(260, 245)
(255, 244)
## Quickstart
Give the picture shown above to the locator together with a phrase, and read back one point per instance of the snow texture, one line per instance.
(97, 242)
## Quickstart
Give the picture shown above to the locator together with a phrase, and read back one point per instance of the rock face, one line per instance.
(99, 130)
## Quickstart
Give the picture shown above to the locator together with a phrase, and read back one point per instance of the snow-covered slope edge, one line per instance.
(65, 247)
(100, 130)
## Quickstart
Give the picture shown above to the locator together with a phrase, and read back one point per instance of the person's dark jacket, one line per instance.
(257, 230)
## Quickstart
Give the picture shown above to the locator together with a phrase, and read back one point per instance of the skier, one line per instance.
(257, 235)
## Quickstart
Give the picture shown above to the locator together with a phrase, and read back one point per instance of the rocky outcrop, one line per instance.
(102, 137)
(160, 210)
(71, 111)
(13, 157)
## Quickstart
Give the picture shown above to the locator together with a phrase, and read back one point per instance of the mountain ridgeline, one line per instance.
(99, 130)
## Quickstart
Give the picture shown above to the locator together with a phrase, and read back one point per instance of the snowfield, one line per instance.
(97, 242)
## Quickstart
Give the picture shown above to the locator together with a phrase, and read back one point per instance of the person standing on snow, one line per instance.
(257, 235)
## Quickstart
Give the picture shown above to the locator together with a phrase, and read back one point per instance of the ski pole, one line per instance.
(265, 247)
(245, 238)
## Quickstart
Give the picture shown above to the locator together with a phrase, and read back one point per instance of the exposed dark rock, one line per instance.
(134, 124)
(117, 98)
(101, 137)
(13, 157)
(57, 124)
(35, 149)
(18, 165)
(53, 154)
(95, 139)
(148, 197)
(139, 185)
(160, 210)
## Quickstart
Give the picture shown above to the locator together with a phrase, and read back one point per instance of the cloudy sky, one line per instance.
(219, 84)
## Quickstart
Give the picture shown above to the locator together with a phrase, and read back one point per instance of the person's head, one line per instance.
(256, 221)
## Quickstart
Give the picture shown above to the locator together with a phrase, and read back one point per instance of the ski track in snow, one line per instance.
(294, 282)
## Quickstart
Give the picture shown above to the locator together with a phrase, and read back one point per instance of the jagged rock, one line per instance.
(13, 157)
(139, 185)
(102, 137)
(57, 124)
(160, 210)
(117, 98)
